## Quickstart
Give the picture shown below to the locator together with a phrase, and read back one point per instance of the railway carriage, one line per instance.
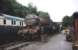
(9, 20)
(9, 26)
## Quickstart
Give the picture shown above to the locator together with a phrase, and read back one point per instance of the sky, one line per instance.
(57, 9)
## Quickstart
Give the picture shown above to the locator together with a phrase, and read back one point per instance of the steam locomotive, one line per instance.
(36, 28)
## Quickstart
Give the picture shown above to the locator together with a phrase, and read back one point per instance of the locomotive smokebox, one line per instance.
(31, 19)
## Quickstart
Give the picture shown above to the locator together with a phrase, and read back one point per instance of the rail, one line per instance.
(14, 45)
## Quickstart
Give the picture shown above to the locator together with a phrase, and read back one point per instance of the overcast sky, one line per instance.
(57, 9)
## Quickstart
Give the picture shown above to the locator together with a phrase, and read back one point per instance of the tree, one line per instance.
(67, 21)
(11, 7)
(43, 14)
(32, 9)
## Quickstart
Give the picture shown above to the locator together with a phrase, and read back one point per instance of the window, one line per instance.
(4, 21)
(21, 23)
(13, 22)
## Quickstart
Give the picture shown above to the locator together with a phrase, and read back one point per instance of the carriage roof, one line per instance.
(11, 17)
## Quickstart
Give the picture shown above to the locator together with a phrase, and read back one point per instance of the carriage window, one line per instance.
(13, 22)
(4, 21)
(21, 23)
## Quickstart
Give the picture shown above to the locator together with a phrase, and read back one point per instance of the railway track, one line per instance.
(14, 45)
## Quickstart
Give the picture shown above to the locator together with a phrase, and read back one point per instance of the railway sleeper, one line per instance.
(14, 46)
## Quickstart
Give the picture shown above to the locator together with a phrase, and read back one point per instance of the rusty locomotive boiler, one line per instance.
(34, 29)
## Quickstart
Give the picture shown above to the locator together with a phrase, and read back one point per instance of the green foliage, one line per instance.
(43, 14)
(11, 7)
(32, 9)
(67, 21)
